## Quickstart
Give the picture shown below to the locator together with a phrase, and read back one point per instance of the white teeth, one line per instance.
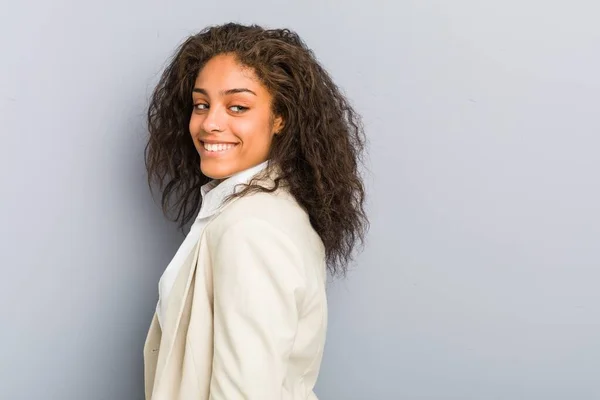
(218, 146)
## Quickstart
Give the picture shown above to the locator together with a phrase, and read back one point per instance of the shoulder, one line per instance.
(278, 208)
(278, 212)
(269, 230)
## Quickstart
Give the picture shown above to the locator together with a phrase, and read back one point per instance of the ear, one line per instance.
(278, 125)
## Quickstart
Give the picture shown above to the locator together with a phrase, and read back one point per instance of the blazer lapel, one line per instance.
(175, 309)
(151, 355)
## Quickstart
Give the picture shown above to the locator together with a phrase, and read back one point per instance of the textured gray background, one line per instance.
(480, 278)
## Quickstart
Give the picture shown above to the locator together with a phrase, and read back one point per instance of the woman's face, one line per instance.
(231, 125)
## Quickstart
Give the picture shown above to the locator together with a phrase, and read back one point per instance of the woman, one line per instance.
(251, 140)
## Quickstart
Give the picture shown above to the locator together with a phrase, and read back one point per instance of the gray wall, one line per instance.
(480, 278)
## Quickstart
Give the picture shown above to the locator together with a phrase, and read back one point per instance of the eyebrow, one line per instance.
(225, 92)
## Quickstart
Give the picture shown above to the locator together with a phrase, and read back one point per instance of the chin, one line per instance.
(217, 172)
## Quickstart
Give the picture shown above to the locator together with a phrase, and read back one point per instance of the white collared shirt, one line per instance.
(213, 196)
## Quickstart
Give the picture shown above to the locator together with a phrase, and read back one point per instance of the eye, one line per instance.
(201, 106)
(238, 109)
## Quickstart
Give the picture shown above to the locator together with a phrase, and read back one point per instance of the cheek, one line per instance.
(254, 135)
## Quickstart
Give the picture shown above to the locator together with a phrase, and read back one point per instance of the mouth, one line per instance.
(217, 148)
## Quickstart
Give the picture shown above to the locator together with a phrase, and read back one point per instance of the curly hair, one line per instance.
(318, 152)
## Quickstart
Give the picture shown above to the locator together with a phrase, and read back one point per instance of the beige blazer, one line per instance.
(247, 314)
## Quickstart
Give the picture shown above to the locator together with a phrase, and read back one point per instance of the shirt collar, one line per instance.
(215, 193)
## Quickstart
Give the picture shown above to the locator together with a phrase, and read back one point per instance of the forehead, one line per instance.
(225, 72)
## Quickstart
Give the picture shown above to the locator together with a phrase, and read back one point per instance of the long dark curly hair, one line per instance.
(319, 151)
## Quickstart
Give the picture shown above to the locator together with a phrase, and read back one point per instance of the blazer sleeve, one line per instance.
(258, 284)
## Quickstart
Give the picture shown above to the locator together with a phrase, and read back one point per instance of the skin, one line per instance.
(232, 113)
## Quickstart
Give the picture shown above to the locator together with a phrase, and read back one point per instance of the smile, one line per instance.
(218, 147)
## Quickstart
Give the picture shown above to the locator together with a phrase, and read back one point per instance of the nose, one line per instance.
(214, 121)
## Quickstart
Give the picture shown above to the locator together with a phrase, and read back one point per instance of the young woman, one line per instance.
(252, 141)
